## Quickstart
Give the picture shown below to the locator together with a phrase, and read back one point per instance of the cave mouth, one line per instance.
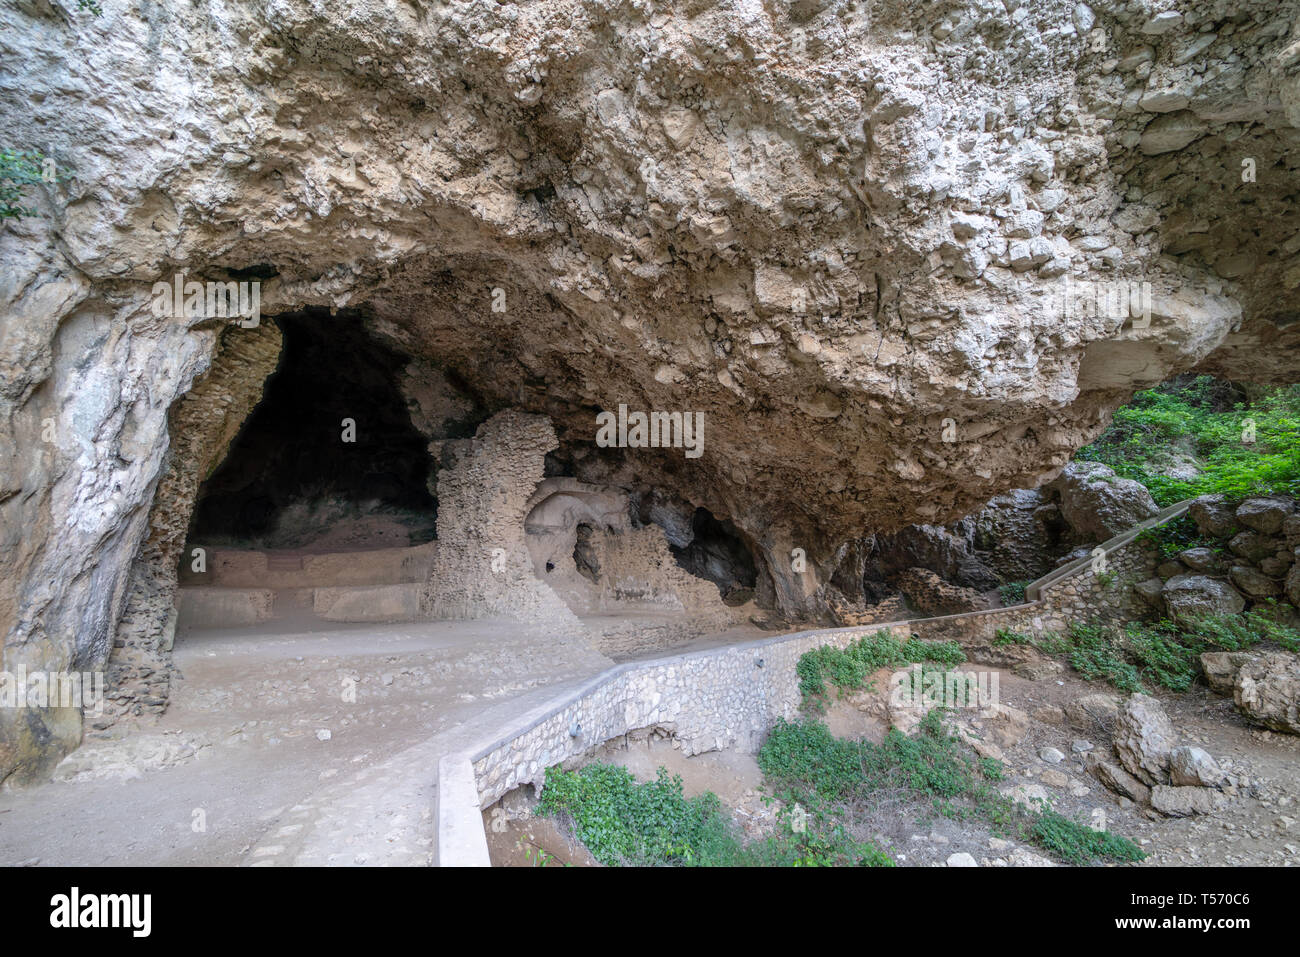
(329, 459)
(718, 552)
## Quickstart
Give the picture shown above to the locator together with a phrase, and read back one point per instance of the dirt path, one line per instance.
(290, 746)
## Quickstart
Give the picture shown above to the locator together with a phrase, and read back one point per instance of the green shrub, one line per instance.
(1012, 593)
(623, 822)
(805, 762)
(18, 170)
(1161, 655)
(1076, 843)
(847, 669)
(1204, 417)
(1094, 655)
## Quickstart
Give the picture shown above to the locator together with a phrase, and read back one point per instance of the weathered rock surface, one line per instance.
(1143, 738)
(1092, 710)
(1265, 514)
(1191, 766)
(1098, 504)
(1115, 778)
(1213, 516)
(1185, 802)
(1193, 596)
(1267, 691)
(1221, 668)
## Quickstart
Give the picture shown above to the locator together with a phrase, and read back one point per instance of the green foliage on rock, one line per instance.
(1204, 421)
(18, 170)
(1164, 653)
(806, 763)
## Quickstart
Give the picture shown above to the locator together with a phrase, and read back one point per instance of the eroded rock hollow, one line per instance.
(864, 241)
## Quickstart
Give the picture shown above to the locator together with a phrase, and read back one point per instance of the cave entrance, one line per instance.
(329, 460)
(718, 552)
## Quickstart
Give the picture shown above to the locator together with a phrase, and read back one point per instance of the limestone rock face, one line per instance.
(864, 257)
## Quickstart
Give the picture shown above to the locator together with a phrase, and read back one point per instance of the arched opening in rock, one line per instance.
(329, 459)
(718, 553)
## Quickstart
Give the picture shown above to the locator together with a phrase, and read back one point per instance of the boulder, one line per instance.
(1292, 585)
(1194, 596)
(1213, 517)
(1093, 709)
(1291, 531)
(1184, 802)
(1040, 670)
(1277, 566)
(1115, 778)
(1201, 560)
(1193, 767)
(1005, 725)
(1253, 582)
(1221, 668)
(1267, 691)
(1265, 514)
(1252, 545)
(1097, 504)
(1166, 570)
(1143, 739)
(1149, 591)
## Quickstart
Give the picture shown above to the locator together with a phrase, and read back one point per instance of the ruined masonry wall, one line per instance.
(202, 425)
(484, 487)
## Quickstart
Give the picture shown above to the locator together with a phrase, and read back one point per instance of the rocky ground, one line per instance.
(1048, 730)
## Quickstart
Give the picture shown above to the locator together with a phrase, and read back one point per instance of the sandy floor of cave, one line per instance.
(243, 743)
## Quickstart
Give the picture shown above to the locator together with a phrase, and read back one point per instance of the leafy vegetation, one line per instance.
(1240, 447)
(847, 669)
(1164, 653)
(1178, 535)
(806, 763)
(627, 823)
(18, 170)
(823, 781)
(1012, 593)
